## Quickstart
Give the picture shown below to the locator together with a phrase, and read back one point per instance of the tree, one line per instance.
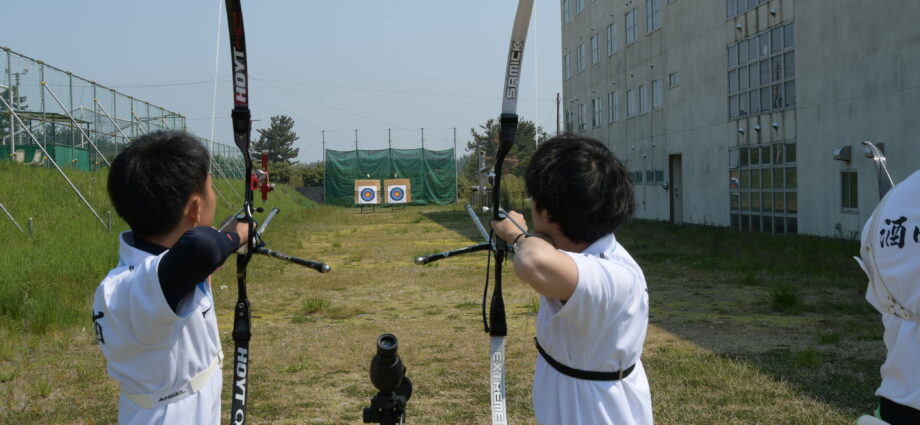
(313, 174)
(278, 140)
(19, 104)
(486, 144)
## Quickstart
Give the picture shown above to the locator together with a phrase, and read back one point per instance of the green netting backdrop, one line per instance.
(433, 173)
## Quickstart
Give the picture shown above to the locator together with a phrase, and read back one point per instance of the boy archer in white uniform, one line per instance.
(593, 312)
(890, 251)
(154, 312)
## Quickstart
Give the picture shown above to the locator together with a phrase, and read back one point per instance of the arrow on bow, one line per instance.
(242, 127)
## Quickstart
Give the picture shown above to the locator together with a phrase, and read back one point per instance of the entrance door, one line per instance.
(676, 189)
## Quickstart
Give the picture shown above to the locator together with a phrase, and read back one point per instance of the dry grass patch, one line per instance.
(717, 353)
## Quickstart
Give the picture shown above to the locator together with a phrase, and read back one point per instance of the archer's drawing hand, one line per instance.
(506, 229)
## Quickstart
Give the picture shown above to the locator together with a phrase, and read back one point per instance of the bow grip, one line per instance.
(242, 120)
(509, 123)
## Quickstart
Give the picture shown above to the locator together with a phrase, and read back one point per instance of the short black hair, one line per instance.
(153, 178)
(583, 187)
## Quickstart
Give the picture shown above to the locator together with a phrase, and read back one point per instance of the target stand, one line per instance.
(398, 193)
(367, 194)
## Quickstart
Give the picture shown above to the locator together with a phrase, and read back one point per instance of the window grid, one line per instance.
(763, 188)
(595, 48)
(566, 11)
(597, 109)
(761, 72)
(657, 99)
(737, 7)
(652, 15)
(630, 103)
(567, 61)
(849, 190)
(631, 27)
(673, 79)
(579, 6)
(582, 117)
(643, 99)
(581, 58)
(611, 38)
(613, 105)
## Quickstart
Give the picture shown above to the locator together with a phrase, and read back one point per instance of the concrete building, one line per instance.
(729, 112)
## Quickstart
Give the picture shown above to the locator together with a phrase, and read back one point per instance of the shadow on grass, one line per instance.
(741, 285)
(460, 222)
(712, 286)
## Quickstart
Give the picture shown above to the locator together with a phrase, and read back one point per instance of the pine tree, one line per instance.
(278, 140)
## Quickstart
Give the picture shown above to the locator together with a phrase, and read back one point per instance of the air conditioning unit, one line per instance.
(844, 153)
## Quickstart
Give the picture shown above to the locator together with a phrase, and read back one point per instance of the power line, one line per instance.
(295, 94)
(408, 92)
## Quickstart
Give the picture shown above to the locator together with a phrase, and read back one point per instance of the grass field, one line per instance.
(745, 329)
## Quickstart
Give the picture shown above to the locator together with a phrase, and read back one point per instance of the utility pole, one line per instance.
(456, 169)
(324, 166)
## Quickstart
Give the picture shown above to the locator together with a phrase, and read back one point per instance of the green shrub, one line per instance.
(786, 298)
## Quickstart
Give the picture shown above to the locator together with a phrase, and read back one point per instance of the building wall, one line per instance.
(855, 76)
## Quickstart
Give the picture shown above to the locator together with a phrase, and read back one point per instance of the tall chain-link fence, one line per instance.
(79, 122)
(52, 118)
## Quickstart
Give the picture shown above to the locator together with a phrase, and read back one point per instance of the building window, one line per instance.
(581, 57)
(763, 192)
(631, 27)
(656, 94)
(566, 11)
(849, 193)
(636, 177)
(673, 79)
(567, 62)
(597, 109)
(582, 117)
(652, 15)
(643, 99)
(569, 121)
(613, 103)
(611, 39)
(761, 72)
(579, 6)
(630, 103)
(595, 48)
(737, 7)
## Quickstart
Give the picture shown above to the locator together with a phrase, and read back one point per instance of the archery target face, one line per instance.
(396, 194)
(367, 195)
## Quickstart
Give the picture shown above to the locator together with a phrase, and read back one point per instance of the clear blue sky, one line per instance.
(338, 66)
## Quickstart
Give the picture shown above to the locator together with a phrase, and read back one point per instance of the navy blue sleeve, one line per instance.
(197, 254)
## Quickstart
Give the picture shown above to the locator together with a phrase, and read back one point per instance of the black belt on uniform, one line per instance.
(583, 374)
